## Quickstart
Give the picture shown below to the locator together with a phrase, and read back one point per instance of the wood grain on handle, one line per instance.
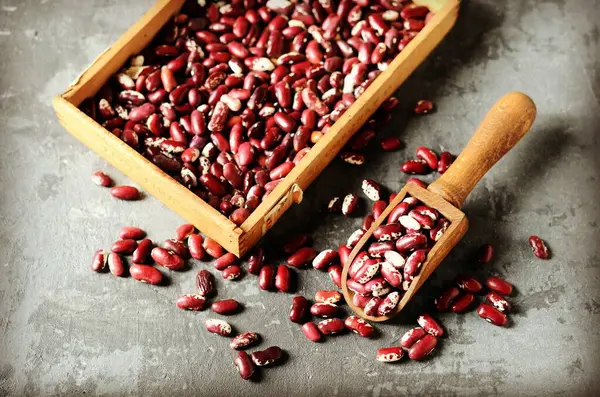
(504, 125)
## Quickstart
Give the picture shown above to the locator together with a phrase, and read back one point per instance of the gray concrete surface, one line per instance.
(67, 331)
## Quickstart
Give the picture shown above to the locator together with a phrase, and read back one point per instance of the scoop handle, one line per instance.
(505, 124)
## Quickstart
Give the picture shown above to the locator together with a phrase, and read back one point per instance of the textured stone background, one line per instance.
(67, 331)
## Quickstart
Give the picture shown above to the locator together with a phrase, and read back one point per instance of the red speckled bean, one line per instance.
(266, 277)
(331, 326)
(411, 336)
(492, 315)
(430, 326)
(101, 179)
(498, 301)
(539, 247)
(389, 354)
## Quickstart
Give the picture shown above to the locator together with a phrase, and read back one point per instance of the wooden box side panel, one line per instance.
(351, 121)
(113, 58)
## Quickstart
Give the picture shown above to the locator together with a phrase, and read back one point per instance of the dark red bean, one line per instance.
(446, 298)
(283, 278)
(331, 326)
(485, 253)
(131, 232)
(499, 285)
(468, 283)
(266, 277)
(463, 302)
(299, 309)
(116, 265)
(423, 106)
(141, 253)
(125, 247)
(415, 167)
(226, 306)
(492, 315)
(233, 272)
(302, 257)
(244, 364)
(324, 310)
(311, 331)
(195, 242)
(267, 356)
(145, 274)
(167, 259)
(445, 161)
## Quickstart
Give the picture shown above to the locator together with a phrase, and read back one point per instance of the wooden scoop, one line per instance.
(504, 125)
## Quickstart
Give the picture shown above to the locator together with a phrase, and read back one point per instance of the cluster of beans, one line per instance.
(419, 341)
(427, 161)
(229, 97)
(326, 306)
(381, 274)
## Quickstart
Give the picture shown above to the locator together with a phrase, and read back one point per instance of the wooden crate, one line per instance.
(235, 239)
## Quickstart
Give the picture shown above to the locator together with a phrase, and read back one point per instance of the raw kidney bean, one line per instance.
(539, 247)
(428, 156)
(131, 232)
(311, 331)
(177, 247)
(498, 301)
(331, 326)
(244, 340)
(324, 310)
(389, 354)
(283, 59)
(99, 261)
(391, 274)
(256, 260)
(389, 303)
(295, 243)
(411, 336)
(416, 181)
(212, 248)
(350, 204)
(391, 144)
(462, 303)
(267, 356)
(225, 261)
(195, 242)
(233, 272)
(415, 167)
(283, 278)
(226, 306)
(395, 259)
(244, 364)
(359, 326)
(125, 192)
(101, 179)
(360, 300)
(125, 247)
(266, 277)
(446, 298)
(430, 326)
(218, 327)
(184, 231)
(116, 265)
(141, 253)
(492, 315)
(499, 285)
(192, 302)
(389, 232)
(204, 282)
(468, 283)
(371, 189)
(167, 259)
(335, 274)
(302, 257)
(445, 161)
(372, 306)
(378, 208)
(145, 274)
(324, 259)
(422, 348)
(299, 309)
(328, 297)
(485, 253)
(423, 106)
